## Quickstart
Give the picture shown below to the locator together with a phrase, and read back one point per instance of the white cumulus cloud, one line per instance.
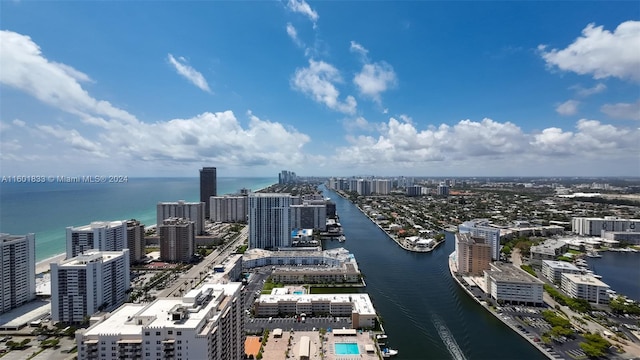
(584, 92)
(625, 111)
(374, 78)
(601, 53)
(188, 72)
(317, 81)
(303, 8)
(569, 107)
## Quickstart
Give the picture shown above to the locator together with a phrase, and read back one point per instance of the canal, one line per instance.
(425, 314)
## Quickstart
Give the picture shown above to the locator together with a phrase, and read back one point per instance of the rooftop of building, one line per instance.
(585, 279)
(339, 253)
(98, 225)
(4, 237)
(560, 265)
(549, 246)
(507, 272)
(91, 256)
(180, 202)
(199, 305)
(361, 302)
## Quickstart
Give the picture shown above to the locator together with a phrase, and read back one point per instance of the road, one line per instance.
(189, 279)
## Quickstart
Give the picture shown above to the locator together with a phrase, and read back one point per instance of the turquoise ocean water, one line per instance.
(47, 209)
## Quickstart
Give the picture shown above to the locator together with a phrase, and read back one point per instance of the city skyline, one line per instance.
(418, 88)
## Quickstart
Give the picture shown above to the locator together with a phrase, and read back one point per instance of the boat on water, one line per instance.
(387, 353)
(593, 254)
(381, 338)
(342, 238)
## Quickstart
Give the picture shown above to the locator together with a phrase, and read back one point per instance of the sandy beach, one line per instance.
(42, 266)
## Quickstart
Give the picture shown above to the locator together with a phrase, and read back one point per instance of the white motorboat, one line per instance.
(386, 352)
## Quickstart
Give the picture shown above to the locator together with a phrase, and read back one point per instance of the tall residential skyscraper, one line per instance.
(229, 208)
(91, 282)
(269, 221)
(473, 254)
(481, 228)
(99, 235)
(193, 211)
(208, 187)
(135, 240)
(17, 270)
(177, 240)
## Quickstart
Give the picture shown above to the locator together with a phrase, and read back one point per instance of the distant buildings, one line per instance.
(269, 221)
(208, 187)
(507, 284)
(193, 211)
(135, 241)
(473, 254)
(91, 282)
(381, 186)
(443, 189)
(287, 177)
(17, 270)
(414, 190)
(309, 216)
(595, 226)
(205, 324)
(177, 240)
(99, 235)
(481, 228)
(585, 287)
(229, 208)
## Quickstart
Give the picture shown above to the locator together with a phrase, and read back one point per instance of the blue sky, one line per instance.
(338, 88)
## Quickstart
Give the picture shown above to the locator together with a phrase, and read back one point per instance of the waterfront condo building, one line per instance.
(208, 187)
(548, 250)
(229, 208)
(205, 324)
(508, 284)
(585, 287)
(595, 226)
(177, 240)
(17, 271)
(473, 254)
(269, 221)
(88, 283)
(135, 241)
(482, 228)
(308, 216)
(99, 235)
(193, 211)
(553, 270)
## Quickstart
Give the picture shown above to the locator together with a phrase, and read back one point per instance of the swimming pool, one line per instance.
(347, 349)
(299, 292)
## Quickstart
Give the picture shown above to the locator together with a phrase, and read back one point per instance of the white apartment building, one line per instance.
(381, 186)
(482, 228)
(357, 306)
(193, 211)
(99, 235)
(91, 282)
(177, 240)
(205, 324)
(17, 271)
(548, 250)
(307, 216)
(332, 258)
(585, 287)
(228, 208)
(595, 226)
(269, 220)
(553, 270)
(507, 284)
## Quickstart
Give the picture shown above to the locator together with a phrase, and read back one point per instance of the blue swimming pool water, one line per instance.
(347, 349)
(299, 292)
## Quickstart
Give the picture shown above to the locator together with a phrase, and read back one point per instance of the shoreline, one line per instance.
(43, 265)
(537, 345)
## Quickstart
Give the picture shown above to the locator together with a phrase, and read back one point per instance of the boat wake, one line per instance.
(447, 338)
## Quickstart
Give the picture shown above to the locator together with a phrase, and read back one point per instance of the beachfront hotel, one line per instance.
(17, 270)
(177, 240)
(269, 220)
(91, 282)
(208, 187)
(193, 211)
(99, 235)
(207, 323)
